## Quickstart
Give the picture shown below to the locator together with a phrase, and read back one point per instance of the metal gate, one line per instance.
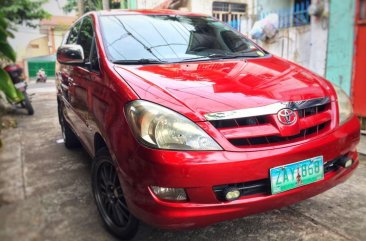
(359, 77)
(33, 67)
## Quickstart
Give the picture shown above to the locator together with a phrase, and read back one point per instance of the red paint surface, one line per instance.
(359, 78)
(213, 86)
(95, 108)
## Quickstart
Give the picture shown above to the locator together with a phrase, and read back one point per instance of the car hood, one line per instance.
(223, 85)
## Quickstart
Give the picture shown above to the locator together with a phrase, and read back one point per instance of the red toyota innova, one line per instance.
(189, 123)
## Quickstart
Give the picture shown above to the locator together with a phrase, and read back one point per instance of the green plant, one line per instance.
(6, 51)
(23, 11)
(89, 5)
(13, 13)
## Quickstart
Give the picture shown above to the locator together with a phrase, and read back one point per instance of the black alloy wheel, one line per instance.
(110, 199)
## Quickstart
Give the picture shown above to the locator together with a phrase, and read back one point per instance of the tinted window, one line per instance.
(171, 38)
(86, 36)
(94, 59)
(234, 41)
(73, 36)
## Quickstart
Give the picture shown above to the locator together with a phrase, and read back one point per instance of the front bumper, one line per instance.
(199, 172)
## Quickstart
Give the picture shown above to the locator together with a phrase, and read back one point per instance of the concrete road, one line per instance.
(45, 194)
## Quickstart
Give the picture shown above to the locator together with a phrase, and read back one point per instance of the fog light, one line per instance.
(345, 162)
(168, 193)
(232, 193)
(348, 163)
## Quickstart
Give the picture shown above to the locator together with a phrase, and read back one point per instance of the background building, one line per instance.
(41, 52)
(36, 47)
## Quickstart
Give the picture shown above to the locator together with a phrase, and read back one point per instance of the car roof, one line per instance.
(147, 12)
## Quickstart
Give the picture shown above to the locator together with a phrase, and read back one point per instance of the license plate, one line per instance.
(284, 178)
(20, 85)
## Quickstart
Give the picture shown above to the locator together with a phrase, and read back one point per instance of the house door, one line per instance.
(359, 81)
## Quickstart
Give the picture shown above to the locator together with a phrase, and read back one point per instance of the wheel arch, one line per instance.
(99, 143)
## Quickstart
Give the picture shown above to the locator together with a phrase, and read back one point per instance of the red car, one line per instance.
(189, 123)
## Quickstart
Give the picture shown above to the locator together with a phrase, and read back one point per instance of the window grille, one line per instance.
(291, 17)
(230, 13)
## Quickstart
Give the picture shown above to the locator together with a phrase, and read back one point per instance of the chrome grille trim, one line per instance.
(266, 110)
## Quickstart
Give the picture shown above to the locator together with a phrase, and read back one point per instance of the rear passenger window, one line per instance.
(73, 36)
(86, 36)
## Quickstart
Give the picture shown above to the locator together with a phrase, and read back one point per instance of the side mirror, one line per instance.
(70, 54)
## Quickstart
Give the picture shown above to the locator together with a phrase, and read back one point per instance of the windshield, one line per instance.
(166, 38)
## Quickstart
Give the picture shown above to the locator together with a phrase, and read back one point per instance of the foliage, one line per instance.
(13, 13)
(6, 51)
(23, 11)
(89, 5)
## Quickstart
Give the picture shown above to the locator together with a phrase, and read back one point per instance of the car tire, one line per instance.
(70, 139)
(109, 198)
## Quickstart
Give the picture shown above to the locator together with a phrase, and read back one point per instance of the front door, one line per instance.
(81, 84)
(359, 78)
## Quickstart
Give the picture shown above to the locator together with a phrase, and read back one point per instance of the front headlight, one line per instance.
(344, 105)
(159, 127)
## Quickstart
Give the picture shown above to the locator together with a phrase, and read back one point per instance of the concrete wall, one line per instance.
(318, 44)
(148, 4)
(304, 45)
(292, 44)
(340, 43)
(59, 35)
(270, 5)
(37, 47)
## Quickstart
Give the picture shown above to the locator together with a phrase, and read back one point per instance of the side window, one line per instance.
(73, 35)
(94, 59)
(86, 36)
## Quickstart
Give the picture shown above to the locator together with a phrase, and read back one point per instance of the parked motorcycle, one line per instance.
(12, 83)
(41, 76)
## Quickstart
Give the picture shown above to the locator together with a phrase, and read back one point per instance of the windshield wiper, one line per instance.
(139, 61)
(233, 56)
(210, 56)
(225, 56)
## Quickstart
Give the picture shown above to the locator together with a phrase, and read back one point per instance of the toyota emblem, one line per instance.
(287, 116)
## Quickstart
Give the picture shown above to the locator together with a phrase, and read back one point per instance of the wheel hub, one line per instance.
(111, 196)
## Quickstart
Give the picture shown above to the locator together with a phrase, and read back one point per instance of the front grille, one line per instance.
(248, 121)
(264, 130)
(265, 140)
(263, 186)
(313, 110)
